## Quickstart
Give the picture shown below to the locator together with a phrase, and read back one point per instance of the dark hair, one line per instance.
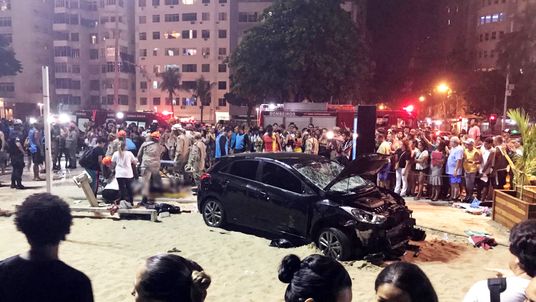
(317, 277)
(489, 140)
(44, 218)
(409, 278)
(172, 278)
(101, 140)
(523, 245)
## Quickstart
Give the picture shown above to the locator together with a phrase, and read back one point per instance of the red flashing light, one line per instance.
(205, 176)
(409, 108)
(493, 117)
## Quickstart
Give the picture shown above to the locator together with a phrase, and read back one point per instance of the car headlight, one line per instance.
(368, 217)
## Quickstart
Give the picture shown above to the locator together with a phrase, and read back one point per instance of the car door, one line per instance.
(235, 196)
(284, 200)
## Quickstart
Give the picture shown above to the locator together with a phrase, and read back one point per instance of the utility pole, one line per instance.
(48, 142)
(116, 60)
(507, 93)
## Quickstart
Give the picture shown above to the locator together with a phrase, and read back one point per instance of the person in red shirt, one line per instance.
(271, 143)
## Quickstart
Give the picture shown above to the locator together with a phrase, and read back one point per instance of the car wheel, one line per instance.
(334, 243)
(213, 213)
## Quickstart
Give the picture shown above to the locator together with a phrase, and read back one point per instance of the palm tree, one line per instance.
(171, 81)
(202, 92)
(524, 164)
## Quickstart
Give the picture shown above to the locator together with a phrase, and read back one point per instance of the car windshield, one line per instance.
(323, 173)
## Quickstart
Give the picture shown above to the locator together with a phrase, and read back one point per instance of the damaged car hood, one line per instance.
(363, 165)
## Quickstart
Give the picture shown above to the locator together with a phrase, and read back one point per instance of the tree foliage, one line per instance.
(302, 49)
(516, 57)
(9, 65)
(171, 82)
(524, 164)
(202, 91)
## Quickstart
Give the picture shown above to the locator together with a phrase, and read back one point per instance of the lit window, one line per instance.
(188, 2)
(189, 51)
(172, 35)
(155, 84)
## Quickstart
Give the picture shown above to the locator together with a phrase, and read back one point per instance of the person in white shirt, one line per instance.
(123, 161)
(522, 265)
(530, 293)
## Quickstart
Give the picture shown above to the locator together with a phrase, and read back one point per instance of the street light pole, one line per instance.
(48, 141)
(507, 92)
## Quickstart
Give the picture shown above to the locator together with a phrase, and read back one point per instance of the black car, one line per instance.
(308, 198)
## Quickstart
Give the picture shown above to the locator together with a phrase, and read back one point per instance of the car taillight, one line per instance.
(205, 176)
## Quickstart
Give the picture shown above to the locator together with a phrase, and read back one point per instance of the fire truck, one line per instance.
(100, 117)
(324, 115)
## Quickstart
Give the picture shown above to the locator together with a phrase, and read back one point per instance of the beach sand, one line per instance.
(244, 267)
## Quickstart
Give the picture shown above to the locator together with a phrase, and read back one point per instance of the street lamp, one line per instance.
(422, 98)
(444, 89)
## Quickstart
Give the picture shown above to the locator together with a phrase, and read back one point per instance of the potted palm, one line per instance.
(513, 206)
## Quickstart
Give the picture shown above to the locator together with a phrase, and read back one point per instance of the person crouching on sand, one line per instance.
(171, 278)
(38, 275)
(315, 279)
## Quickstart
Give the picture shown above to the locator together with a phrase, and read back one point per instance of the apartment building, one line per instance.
(195, 36)
(26, 26)
(494, 19)
(93, 52)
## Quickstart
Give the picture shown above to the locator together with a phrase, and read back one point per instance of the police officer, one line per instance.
(16, 152)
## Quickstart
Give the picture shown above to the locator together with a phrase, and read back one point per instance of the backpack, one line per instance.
(85, 159)
(496, 286)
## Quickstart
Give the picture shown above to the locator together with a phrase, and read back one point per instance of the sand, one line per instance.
(244, 267)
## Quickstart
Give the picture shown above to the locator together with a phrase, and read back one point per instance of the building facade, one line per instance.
(26, 26)
(494, 19)
(94, 55)
(191, 36)
(195, 36)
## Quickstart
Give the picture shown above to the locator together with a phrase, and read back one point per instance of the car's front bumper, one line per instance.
(381, 239)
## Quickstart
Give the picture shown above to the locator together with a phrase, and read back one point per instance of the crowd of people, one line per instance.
(39, 274)
(436, 165)
(423, 162)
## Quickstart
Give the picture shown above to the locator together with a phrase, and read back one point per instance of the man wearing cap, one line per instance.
(471, 164)
(149, 159)
(16, 152)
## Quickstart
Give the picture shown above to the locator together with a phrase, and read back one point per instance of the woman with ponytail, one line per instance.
(123, 161)
(315, 279)
(171, 278)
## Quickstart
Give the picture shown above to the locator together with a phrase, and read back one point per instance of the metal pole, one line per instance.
(116, 61)
(48, 141)
(354, 136)
(506, 93)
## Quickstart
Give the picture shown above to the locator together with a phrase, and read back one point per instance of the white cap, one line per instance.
(17, 122)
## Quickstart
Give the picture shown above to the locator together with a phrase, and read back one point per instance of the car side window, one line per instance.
(245, 169)
(279, 177)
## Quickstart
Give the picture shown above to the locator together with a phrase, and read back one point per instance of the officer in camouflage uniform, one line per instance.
(196, 158)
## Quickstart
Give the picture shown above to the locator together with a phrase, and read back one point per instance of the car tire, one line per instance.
(213, 213)
(334, 243)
